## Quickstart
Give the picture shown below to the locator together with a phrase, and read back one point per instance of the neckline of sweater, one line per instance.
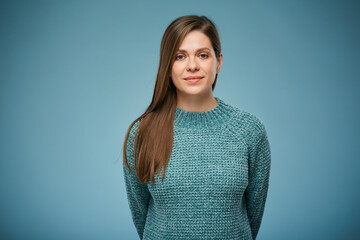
(207, 119)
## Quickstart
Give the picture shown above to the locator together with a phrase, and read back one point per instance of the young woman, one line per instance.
(194, 166)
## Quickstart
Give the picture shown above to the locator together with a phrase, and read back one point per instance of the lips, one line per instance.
(193, 79)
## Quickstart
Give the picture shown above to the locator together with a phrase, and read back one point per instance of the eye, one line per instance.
(179, 57)
(204, 56)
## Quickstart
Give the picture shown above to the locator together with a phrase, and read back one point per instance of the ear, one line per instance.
(219, 62)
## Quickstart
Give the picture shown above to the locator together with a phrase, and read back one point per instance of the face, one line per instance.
(195, 66)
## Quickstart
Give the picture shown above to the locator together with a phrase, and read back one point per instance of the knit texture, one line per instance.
(216, 180)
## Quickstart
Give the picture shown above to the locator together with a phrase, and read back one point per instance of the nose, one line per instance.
(192, 65)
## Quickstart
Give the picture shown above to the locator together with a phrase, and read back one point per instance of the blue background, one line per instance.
(75, 74)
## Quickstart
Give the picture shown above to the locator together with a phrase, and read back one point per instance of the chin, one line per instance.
(193, 92)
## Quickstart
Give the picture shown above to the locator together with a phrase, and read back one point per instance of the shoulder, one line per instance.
(245, 125)
(130, 143)
(245, 120)
(133, 128)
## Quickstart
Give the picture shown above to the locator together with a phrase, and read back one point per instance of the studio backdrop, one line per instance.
(75, 74)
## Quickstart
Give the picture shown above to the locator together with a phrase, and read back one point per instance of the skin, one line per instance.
(195, 57)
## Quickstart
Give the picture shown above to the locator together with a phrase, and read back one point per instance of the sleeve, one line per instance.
(137, 193)
(259, 170)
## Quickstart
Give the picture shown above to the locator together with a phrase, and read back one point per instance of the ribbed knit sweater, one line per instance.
(216, 179)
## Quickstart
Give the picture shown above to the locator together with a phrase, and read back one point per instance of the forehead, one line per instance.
(194, 40)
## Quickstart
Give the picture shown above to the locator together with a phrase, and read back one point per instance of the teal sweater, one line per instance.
(216, 180)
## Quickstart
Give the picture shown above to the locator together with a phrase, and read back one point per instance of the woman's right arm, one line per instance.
(137, 192)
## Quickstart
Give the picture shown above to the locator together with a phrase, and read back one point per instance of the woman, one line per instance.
(201, 167)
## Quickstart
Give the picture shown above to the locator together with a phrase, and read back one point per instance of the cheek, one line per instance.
(176, 74)
(211, 68)
(176, 69)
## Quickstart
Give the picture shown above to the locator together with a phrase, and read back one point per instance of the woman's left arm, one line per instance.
(259, 169)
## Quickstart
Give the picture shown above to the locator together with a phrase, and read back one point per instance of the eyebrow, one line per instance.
(197, 50)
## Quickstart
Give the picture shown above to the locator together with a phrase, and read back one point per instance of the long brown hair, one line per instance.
(154, 136)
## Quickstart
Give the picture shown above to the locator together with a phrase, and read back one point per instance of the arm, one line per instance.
(259, 169)
(137, 193)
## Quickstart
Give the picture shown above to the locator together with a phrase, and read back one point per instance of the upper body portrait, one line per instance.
(195, 167)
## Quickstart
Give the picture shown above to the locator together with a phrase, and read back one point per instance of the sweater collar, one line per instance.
(211, 118)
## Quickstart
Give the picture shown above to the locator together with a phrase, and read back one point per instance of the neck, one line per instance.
(196, 103)
(198, 120)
